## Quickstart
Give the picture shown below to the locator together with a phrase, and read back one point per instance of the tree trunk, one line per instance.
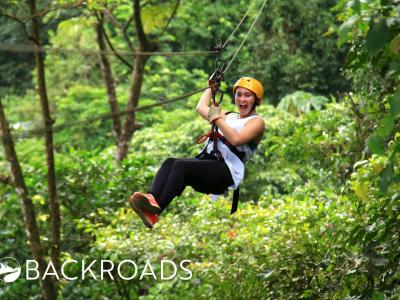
(134, 95)
(136, 84)
(48, 123)
(109, 82)
(48, 288)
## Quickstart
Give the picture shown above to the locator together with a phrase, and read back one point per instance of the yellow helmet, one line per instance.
(251, 84)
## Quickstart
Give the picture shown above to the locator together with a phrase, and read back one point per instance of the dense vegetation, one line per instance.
(319, 213)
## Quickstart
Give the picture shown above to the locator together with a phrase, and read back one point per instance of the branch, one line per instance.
(20, 21)
(50, 9)
(113, 20)
(144, 4)
(354, 106)
(123, 28)
(40, 13)
(126, 36)
(171, 17)
(13, 17)
(139, 25)
(24, 20)
(103, 31)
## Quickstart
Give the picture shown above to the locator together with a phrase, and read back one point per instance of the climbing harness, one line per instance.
(213, 135)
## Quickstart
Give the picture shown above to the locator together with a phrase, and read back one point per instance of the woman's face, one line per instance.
(244, 100)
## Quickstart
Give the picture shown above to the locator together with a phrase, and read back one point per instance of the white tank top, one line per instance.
(235, 165)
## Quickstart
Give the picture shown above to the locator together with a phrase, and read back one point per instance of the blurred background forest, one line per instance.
(319, 208)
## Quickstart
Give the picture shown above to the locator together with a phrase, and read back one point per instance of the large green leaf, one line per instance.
(394, 102)
(156, 16)
(345, 29)
(386, 177)
(357, 6)
(377, 295)
(378, 35)
(386, 125)
(375, 144)
(301, 102)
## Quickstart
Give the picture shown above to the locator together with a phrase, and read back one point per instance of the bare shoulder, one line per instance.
(255, 128)
(257, 122)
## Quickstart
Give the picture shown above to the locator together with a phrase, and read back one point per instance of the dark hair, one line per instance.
(255, 104)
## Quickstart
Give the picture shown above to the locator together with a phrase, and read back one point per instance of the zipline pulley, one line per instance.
(218, 75)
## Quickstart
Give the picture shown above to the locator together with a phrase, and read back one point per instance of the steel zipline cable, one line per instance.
(247, 34)
(55, 50)
(55, 128)
(32, 48)
(238, 25)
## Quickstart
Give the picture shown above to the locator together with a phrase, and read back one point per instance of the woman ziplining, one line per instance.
(232, 141)
(220, 166)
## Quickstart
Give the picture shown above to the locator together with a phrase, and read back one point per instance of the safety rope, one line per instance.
(247, 34)
(238, 25)
(40, 131)
(31, 48)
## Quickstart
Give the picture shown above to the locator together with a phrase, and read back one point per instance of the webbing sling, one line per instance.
(235, 200)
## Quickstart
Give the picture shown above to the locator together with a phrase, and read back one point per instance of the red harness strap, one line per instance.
(213, 135)
(218, 136)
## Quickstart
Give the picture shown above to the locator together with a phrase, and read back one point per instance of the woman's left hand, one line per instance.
(215, 113)
(222, 116)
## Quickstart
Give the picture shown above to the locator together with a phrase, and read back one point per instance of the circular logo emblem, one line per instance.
(10, 269)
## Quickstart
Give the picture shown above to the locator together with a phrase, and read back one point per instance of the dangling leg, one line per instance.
(144, 204)
(206, 176)
(161, 177)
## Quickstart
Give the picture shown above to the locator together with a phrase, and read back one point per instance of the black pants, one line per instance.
(205, 176)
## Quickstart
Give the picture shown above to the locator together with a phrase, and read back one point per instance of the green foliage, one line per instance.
(295, 241)
(371, 28)
(318, 217)
(292, 50)
(15, 68)
(155, 17)
(286, 51)
(301, 102)
(377, 222)
(65, 69)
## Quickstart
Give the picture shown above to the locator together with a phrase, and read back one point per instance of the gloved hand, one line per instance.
(215, 113)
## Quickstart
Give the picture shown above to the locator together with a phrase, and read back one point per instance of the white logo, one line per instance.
(10, 269)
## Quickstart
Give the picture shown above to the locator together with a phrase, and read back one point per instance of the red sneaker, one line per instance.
(148, 218)
(146, 202)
